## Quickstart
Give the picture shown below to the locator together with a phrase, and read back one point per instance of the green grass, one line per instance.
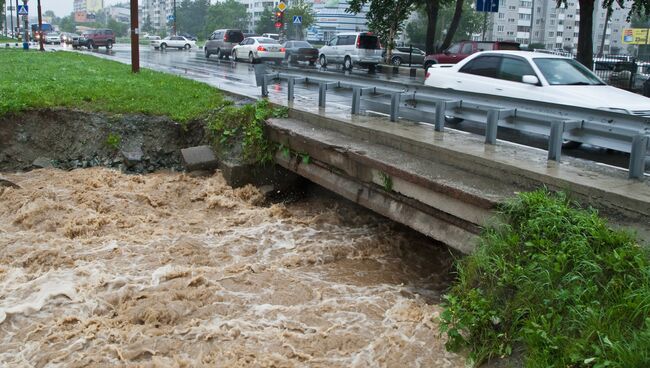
(7, 39)
(556, 282)
(35, 79)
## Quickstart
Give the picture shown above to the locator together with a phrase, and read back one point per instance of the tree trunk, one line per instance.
(585, 37)
(432, 17)
(601, 50)
(455, 22)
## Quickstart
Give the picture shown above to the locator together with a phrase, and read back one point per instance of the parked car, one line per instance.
(96, 38)
(401, 56)
(646, 88)
(629, 75)
(53, 38)
(188, 36)
(300, 51)
(256, 49)
(360, 48)
(222, 41)
(463, 49)
(535, 76)
(178, 42)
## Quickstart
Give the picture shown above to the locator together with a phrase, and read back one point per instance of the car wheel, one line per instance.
(312, 62)
(396, 60)
(322, 61)
(109, 45)
(234, 55)
(251, 58)
(219, 54)
(347, 63)
(91, 45)
(453, 120)
(188, 46)
(163, 46)
(207, 53)
(567, 144)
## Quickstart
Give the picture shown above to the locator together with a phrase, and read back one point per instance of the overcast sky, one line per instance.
(61, 7)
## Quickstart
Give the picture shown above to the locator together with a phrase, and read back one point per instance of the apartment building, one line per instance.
(542, 22)
(156, 12)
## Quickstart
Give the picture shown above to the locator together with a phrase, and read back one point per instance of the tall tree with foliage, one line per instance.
(68, 24)
(585, 37)
(302, 9)
(385, 17)
(191, 17)
(266, 24)
(469, 23)
(228, 14)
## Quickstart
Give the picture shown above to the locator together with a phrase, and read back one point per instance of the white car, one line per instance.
(535, 76)
(178, 42)
(53, 38)
(256, 49)
(357, 48)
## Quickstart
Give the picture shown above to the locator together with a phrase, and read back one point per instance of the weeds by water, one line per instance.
(246, 125)
(557, 282)
(32, 79)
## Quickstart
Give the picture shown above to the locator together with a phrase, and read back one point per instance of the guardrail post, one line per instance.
(322, 91)
(290, 86)
(555, 140)
(356, 100)
(637, 156)
(394, 105)
(441, 108)
(492, 125)
(265, 89)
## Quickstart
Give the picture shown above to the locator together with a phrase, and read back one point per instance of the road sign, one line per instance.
(282, 6)
(170, 18)
(297, 19)
(489, 6)
(23, 10)
(278, 24)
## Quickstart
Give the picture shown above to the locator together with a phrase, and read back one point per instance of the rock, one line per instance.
(4, 183)
(199, 158)
(132, 156)
(42, 162)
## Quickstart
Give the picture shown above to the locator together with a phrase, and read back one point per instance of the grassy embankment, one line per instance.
(7, 39)
(64, 79)
(555, 282)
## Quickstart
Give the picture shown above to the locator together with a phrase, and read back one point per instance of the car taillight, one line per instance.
(282, 49)
(261, 48)
(225, 37)
(427, 75)
(358, 42)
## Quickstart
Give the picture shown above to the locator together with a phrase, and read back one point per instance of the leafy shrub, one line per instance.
(556, 281)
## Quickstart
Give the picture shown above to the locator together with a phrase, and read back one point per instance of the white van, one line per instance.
(358, 48)
(274, 36)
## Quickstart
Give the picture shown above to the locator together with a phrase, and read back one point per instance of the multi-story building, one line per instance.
(89, 6)
(542, 22)
(156, 13)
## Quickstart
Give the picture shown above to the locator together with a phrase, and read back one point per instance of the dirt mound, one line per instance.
(69, 139)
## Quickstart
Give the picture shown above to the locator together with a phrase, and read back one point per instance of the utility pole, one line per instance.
(40, 28)
(11, 16)
(532, 25)
(25, 32)
(174, 18)
(135, 38)
(17, 17)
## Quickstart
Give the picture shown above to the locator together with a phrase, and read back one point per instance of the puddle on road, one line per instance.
(99, 268)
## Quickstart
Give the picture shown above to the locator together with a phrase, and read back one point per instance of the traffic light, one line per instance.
(278, 16)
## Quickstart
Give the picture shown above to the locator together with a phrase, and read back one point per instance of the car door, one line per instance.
(450, 56)
(347, 47)
(512, 69)
(329, 50)
(210, 43)
(478, 75)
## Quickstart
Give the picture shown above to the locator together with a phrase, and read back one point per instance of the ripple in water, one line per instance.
(98, 268)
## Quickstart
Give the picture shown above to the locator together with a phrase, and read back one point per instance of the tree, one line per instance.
(453, 26)
(191, 17)
(68, 24)
(385, 17)
(266, 24)
(227, 14)
(469, 23)
(304, 10)
(585, 37)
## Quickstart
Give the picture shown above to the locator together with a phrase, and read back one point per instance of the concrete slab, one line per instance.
(199, 158)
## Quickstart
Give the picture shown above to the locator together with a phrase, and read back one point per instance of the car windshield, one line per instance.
(302, 44)
(566, 72)
(267, 40)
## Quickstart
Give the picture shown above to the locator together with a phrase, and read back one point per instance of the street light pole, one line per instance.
(40, 28)
(174, 17)
(135, 38)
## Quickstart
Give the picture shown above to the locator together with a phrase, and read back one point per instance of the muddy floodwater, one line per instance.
(100, 268)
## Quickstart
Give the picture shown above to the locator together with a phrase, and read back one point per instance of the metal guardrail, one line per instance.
(622, 132)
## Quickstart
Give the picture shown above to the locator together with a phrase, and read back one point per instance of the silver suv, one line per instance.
(360, 48)
(222, 41)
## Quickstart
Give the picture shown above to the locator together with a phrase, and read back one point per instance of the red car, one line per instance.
(463, 49)
(96, 38)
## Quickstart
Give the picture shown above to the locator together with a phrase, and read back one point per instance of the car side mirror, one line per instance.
(530, 79)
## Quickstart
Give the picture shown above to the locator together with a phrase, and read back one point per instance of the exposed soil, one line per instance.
(69, 139)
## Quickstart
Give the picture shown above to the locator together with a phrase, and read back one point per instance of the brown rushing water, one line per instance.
(98, 268)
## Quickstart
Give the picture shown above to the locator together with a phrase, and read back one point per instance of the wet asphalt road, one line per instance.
(239, 77)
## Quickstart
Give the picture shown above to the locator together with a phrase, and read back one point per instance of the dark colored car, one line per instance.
(97, 37)
(222, 41)
(401, 56)
(463, 49)
(188, 36)
(300, 51)
(646, 88)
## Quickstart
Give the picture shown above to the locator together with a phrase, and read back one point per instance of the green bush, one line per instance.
(555, 281)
